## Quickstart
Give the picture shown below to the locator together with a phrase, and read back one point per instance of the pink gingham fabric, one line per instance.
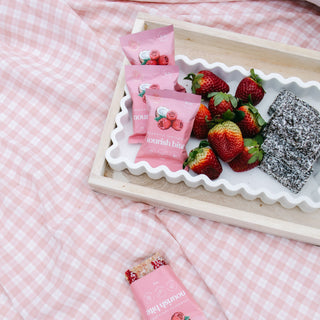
(64, 248)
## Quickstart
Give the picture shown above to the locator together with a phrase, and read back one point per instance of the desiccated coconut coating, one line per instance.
(292, 141)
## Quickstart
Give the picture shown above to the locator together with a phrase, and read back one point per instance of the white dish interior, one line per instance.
(251, 184)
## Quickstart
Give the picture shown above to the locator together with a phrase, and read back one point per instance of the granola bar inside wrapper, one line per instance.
(159, 294)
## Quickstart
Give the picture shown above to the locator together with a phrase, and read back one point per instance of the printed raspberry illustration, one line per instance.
(177, 316)
(154, 55)
(171, 115)
(151, 63)
(161, 112)
(164, 124)
(177, 125)
(163, 60)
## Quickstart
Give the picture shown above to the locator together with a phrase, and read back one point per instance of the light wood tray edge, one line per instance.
(147, 19)
(201, 209)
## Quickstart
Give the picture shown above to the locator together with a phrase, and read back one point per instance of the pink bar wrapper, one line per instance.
(155, 46)
(160, 295)
(171, 117)
(138, 79)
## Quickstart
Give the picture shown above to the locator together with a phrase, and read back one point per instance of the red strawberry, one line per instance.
(226, 140)
(131, 276)
(249, 158)
(152, 62)
(250, 89)
(205, 82)
(163, 60)
(177, 124)
(164, 123)
(252, 123)
(200, 127)
(202, 160)
(220, 102)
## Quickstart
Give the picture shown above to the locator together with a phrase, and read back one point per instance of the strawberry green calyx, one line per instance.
(202, 160)
(256, 78)
(194, 153)
(204, 143)
(234, 116)
(261, 122)
(194, 78)
(221, 96)
(254, 149)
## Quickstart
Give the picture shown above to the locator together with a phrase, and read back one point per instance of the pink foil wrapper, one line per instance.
(159, 294)
(138, 79)
(170, 122)
(156, 45)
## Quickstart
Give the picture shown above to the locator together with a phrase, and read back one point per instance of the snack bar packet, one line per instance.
(170, 121)
(155, 46)
(160, 295)
(140, 78)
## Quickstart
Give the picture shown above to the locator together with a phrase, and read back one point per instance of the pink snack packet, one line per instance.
(138, 79)
(159, 294)
(155, 46)
(170, 121)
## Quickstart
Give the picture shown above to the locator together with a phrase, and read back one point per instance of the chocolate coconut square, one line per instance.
(292, 141)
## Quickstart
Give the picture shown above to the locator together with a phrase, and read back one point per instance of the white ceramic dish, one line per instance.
(252, 184)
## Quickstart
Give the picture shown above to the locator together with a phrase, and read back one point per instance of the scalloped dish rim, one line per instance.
(286, 198)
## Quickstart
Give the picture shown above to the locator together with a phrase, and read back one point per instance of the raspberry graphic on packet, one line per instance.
(178, 316)
(163, 60)
(149, 57)
(171, 115)
(164, 124)
(177, 125)
(151, 47)
(170, 121)
(143, 87)
(140, 78)
(168, 118)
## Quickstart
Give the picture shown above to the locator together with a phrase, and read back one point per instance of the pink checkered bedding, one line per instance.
(64, 248)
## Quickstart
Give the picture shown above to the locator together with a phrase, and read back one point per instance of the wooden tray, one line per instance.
(197, 41)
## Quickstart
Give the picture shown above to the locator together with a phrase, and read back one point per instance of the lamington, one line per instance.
(291, 141)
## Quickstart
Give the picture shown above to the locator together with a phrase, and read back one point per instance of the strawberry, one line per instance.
(252, 123)
(202, 160)
(250, 89)
(220, 102)
(205, 82)
(250, 157)
(226, 140)
(200, 128)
